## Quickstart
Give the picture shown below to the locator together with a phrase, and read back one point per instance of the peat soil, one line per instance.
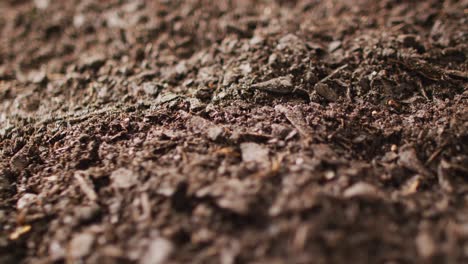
(225, 132)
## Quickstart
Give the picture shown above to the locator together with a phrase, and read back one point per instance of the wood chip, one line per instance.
(26, 200)
(296, 118)
(81, 245)
(123, 178)
(280, 85)
(85, 186)
(425, 245)
(409, 159)
(19, 232)
(237, 205)
(19, 161)
(158, 251)
(253, 152)
(326, 92)
(361, 189)
(411, 186)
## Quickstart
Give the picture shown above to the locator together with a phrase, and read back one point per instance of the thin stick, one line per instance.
(333, 73)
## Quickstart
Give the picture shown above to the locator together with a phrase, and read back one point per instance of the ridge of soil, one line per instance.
(233, 131)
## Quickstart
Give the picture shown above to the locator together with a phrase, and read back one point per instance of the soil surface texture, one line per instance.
(224, 131)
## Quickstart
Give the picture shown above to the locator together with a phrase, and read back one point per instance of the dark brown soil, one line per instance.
(225, 131)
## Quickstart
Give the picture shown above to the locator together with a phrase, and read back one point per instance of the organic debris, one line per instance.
(240, 131)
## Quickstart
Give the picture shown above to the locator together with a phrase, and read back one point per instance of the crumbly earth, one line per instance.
(242, 131)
